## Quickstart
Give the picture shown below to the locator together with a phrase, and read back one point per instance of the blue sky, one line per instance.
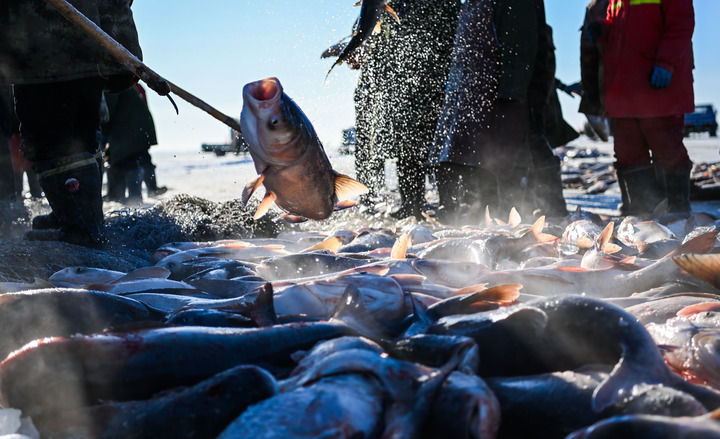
(212, 48)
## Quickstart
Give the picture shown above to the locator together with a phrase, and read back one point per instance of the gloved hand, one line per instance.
(574, 89)
(660, 77)
(593, 31)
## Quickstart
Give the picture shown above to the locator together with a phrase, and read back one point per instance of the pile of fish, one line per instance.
(586, 329)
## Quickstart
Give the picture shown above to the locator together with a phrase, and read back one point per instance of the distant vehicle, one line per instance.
(237, 145)
(701, 120)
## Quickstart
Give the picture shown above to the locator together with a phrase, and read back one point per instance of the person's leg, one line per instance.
(546, 179)
(7, 173)
(636, 177)
(665, 138)
(411, 183)
(58, 128)
(133, 181)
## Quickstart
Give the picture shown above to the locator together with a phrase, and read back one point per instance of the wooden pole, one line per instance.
(156, 82)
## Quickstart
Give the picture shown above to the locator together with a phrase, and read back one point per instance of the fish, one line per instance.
(693, 341)
(60, 373)
(64, 311)
(465, 407)
(289, 157)
(559, 403)
(175, 414)
(663, 309)
(366, 23)
(653, 427)
(341, 406)
(547, 335)
(305, 265)
(551, 280)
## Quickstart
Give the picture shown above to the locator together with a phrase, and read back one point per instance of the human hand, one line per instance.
(660, 77)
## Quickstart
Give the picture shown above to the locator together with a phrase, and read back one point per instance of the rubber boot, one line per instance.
(76, 201)
(115, 184)
(133, 182)
(640, 190)
(677, 190)
(546, 188)
(412, 194)
(450, 192)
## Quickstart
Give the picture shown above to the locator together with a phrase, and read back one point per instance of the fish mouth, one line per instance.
(264, 90)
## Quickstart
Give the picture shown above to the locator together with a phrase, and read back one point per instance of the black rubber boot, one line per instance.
(546, 189)
(677, 190)
(640, 190)
(412, 196)
(44, 222)
(75, 198)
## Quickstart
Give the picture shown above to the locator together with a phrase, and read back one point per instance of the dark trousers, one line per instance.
(58, 119)
(636, 138)
(7, 174)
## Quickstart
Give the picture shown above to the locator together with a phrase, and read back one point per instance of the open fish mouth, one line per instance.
(268, 89)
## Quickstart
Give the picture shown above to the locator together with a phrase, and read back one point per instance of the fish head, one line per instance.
(277, 131)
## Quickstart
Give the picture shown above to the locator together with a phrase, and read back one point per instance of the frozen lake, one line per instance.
(220, 179)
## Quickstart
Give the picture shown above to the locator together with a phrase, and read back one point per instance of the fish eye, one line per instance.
(273, 122)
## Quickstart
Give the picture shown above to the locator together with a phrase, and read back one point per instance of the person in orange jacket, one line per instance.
(648, 81)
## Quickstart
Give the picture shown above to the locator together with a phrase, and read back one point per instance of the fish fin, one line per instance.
(704, 267)
(699, 244)
(336, 63)
(641, 246)
(357, 4)
(293, 219)
(514, 218)
(699, 308)
(430, 219)
(605, 236)
(351, 311)
(571, 269)
(265, 204)
(144, 273)
(585, 243)
(488, 218)
(610, 248)
(628, 260)
(538, 226)
(347, 187)
(472, 289)
(392, 13)
(505, 294)
(251, 187)
(376, 30)
(537, 232)
(262, 311)
(615, 387)
(332, 243)
(399, 249)
(345, 204)
(714, 415)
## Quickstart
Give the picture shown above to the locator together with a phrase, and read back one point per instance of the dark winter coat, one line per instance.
(416, 56)
(591, 66)
(642, 34)
(490, 89)
(39, 45)
(131, 130)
